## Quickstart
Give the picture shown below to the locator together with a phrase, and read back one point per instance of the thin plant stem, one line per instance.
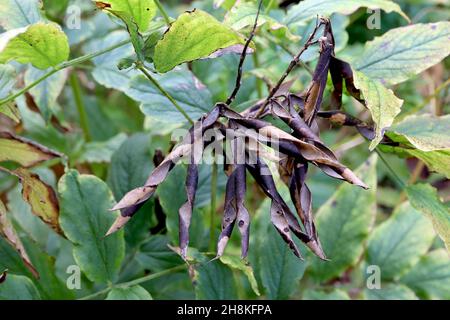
(62, 66)
(212, 212)
(135, 282)
(394, 174)
(163, 12)
(259, 83)
(75, 85)
(141, 68)
(243, 56)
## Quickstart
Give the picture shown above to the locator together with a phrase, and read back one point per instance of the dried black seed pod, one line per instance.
(298, 149)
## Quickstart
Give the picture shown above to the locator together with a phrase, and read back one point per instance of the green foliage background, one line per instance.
(108, 123)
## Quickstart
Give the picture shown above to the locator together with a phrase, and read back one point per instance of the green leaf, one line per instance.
(22, 151)
(404, 52)
(344, 222)
(280, 270)
(102, 151)
(141, 11)
(425, 132)
(43, 45)
(309, 9)
(195, 35)
(131, 293)
(17, 14)
(424, 198)
(121, 176)
(382, 103)
(399, 242)
(215, 282)
(155, 255)
(390, 292)
(236, 263)
(106, 71)
(18, 288)
(438, 161)
(335, 294)
(85, 219)
(46, 92)
(192, 96)
(430, 277)
(243, 15)
(7, 79)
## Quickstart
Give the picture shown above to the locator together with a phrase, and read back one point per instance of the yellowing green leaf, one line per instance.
(438, 161)
(141, 11)
(309, 9)
(425, 132)
(41, 197)
(43, 45)
(399, 242)
(384, 106)
(11, 111)
(23, 151)
(404, 52)
(424, 198)
(343, 223)
(195, 35)
(243, 15)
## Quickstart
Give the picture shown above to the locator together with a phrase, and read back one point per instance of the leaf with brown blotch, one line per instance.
(10, 235)
(23, 151)
(41, 197)
(185, 211)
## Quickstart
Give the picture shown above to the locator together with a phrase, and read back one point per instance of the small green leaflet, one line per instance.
(195, 35)
(43, 45)
(424, 198)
